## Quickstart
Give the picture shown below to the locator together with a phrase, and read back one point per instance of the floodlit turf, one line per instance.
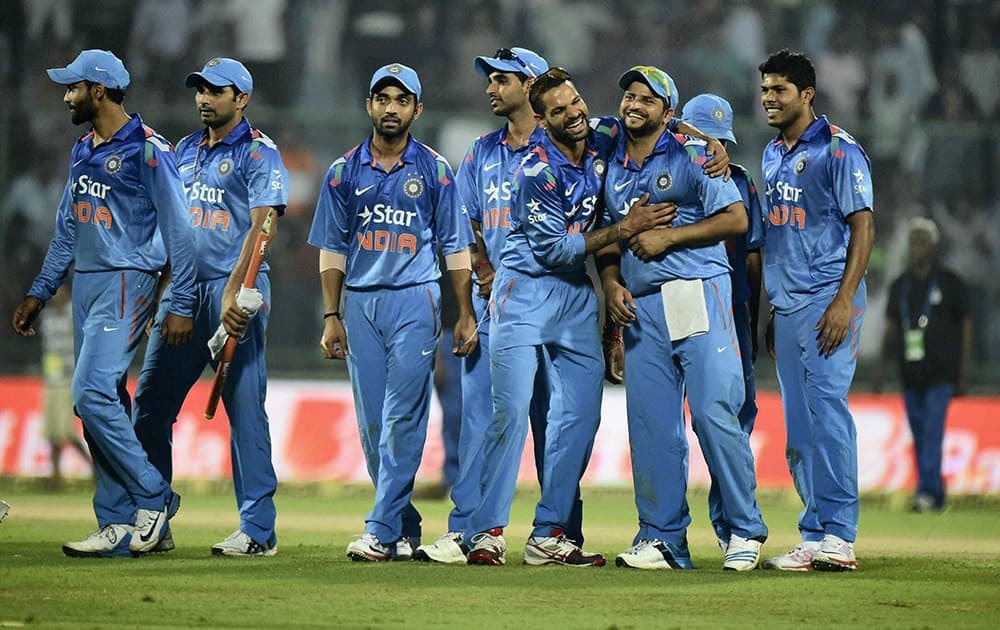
(917, 571)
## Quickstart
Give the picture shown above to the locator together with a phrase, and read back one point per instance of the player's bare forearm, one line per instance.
(640, 217)
(730, 221)
(481, 262)
(859, 250)
(466, 336)
(333, 342)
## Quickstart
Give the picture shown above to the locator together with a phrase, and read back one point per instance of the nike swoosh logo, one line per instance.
(186, 167)
(100, 69)
(77, 163)
(149, 536)
(619, 187)
(722, 349)
(361, 191)
(569, 191)
(106, 329)
(426, 352)
(490, 167)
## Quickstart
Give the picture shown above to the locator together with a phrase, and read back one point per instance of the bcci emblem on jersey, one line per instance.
(664, 181)
(413, 187)
(600, 169)
(800, 166)
(113, 164)
(225, 167)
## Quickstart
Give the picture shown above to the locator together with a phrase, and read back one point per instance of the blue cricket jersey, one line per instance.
(672, 172)
(738, 246)
(387, 223)
(810, 189)
(555, 202)
(222, 184)
(123, 208)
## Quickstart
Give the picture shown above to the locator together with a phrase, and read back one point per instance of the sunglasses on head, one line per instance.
(551, 78)
(509, 55)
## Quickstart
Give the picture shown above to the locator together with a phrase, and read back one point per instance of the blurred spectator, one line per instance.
(929, 332)
(160, 39)
(34, 195)
(979, 67)
(259, 40)
(843, 69)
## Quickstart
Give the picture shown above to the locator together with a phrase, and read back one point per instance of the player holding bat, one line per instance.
(235, 184)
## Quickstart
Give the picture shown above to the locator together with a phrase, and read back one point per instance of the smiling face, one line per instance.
(643, 112)
(783, 102)
(392, 111)
(506, 92)
(82, 102)
(566, 114)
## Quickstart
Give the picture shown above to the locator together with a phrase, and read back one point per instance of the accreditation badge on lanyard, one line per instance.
(913, 336)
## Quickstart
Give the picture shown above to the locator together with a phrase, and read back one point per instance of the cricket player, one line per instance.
(544, 317)
(485, 182)
(818, 199)
(672, 295)
(714, 115)
(384, 210)
(233, 176)
(122, 216)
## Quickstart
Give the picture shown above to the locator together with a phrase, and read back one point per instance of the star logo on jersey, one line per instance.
(534, 206)
(801, 165)
(859, 176)
(366, 216)
(493, 192)
(113, 164)
(225, 167)
(413, 187)
(664, 181)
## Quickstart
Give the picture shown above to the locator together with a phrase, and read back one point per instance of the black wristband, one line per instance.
(333, 314)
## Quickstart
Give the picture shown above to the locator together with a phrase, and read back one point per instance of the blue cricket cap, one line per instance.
(522, 60)
(657, 80)
(96, 66)
(404, 76)
(223, 71)
(711, 114)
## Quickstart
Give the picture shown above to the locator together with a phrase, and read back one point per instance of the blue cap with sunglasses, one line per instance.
(657, 80)
(521, 60)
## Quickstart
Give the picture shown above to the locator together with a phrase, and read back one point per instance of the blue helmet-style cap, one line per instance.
(521, 60)
(405, 76)
(96, 66)
(223, 71)
(657, 80)
(711, 114)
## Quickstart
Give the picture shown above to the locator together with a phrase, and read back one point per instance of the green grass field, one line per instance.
(917, 571)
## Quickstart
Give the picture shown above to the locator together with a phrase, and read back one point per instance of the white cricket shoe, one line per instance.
(489, 548)
(111, 541)
(798, 559)
(449, 549)
(240, 544)
(834, 554)
(742, 554)
(367, 548)
(4, 508)
(557, 549)
(151, 524)
(405, 547)
(647, 554)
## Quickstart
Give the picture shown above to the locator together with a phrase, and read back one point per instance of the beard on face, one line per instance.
(384, 127)
(84, 111)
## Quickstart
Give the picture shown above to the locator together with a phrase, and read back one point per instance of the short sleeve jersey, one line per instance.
(810, 190)
(672, 172)
(123, 208)
(390, 224)
(555, 202)
(222, 184)
(738, 246)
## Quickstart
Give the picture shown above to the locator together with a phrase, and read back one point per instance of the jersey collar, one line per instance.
(409, 153)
